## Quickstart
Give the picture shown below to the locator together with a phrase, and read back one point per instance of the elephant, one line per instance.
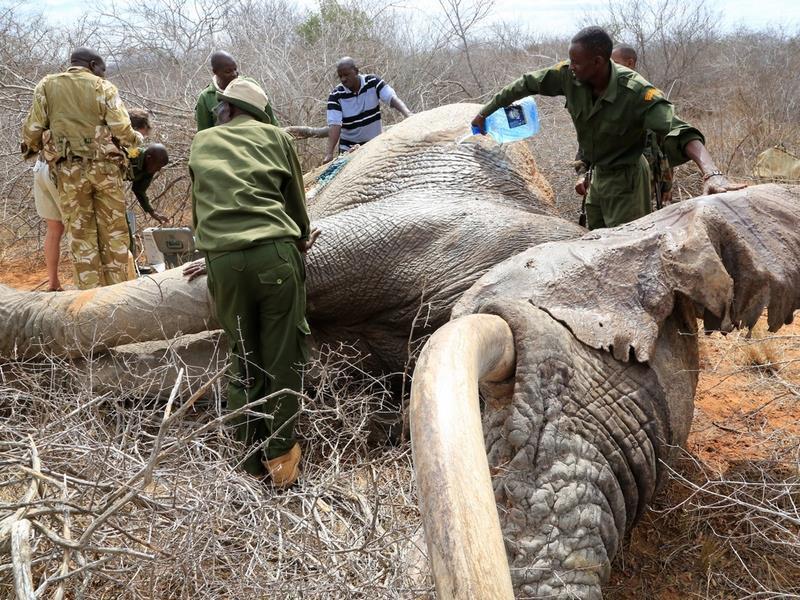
(584, 344)
(588, 352)
(410, 221)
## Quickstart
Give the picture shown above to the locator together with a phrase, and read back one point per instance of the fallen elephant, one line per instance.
(592, 330)
(412, 219)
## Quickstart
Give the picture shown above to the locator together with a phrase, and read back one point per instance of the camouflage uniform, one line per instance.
(83, 112)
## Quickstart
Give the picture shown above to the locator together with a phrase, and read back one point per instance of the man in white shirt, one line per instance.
(354, 113)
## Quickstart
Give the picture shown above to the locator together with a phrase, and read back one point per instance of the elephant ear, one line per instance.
(732, 255)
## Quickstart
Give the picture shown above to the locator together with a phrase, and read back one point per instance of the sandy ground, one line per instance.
(746, 425)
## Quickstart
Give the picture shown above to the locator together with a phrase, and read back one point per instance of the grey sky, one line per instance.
(556, 17)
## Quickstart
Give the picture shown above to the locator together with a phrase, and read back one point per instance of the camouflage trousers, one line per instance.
(92, 203)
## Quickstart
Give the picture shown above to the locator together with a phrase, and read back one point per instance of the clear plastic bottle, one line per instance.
(512, 123)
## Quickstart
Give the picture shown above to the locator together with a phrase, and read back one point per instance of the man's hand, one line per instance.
(305, 245)
(580, 186)
(159, 217)
(195, 269)
(717, 184)
(328, 158)
(479, 123)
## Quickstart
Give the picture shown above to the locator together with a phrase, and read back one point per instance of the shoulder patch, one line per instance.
(651, 93)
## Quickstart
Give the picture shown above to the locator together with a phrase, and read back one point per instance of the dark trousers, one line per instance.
(260, 300)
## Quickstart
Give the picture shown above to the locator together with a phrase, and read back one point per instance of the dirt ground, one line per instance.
(703, 529)
(31, 274)
(701, 537)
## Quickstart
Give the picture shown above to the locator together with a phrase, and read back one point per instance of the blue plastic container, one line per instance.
(512, 123)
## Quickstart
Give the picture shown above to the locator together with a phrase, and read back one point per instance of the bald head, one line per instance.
(224, 67)
(347, 71)
(346, 61)
(90, 59)
(625, 55)
(155, 158)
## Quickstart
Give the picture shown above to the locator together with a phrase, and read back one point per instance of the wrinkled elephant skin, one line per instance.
(604, 329)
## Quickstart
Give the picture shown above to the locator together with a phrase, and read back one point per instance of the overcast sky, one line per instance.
(556, 17)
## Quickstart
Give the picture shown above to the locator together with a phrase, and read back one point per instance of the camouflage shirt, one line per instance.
(84, 114)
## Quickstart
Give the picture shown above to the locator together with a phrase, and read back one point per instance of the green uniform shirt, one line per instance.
(611, 129)
(247, 186)
(207, 101)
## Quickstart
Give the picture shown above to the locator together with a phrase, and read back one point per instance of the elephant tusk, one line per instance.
(462, 528)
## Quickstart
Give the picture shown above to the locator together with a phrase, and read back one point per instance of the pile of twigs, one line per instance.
(108, 496)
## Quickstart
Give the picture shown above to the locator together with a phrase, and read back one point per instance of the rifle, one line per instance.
(587, 178)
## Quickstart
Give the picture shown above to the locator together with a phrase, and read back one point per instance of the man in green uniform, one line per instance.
(83, 111)
(251, 224)
(225, 70)
(141, 170)
(612, 108)
(661, 174)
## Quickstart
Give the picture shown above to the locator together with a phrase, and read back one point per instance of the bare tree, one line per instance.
(463, 17)
(670, 38)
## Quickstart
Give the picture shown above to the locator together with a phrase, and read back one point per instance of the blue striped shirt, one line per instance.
(359, 113)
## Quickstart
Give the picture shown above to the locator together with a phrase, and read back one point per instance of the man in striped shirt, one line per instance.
(354, 113)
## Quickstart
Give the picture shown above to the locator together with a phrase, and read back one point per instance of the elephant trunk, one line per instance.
(462, 528)
(78, 323)
(574, 454)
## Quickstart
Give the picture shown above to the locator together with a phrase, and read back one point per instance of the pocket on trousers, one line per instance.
(277, 276)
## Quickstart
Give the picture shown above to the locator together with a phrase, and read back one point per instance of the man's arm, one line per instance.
(387, 95)
(400, 106)
(334, 132)
(117, 119)
(139, 188)
(36, 123)
(202, 116)
(714, 182)
(683, 142)
(293, 192)
(334, 118)
(548, 82)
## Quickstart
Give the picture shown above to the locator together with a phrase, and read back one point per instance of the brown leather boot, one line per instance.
(284, 469)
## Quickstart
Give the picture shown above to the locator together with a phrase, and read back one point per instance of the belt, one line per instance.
(211, 255)
(613, 168)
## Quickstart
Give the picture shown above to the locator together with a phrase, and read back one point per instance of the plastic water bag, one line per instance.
(513, 123)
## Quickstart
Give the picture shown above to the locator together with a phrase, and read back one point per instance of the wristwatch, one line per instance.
(708, 176)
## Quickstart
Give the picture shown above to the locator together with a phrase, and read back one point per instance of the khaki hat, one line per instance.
(248, 96)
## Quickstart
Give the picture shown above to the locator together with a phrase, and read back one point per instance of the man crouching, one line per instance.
(250, 221)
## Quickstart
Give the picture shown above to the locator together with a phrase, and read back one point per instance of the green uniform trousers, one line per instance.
(92, 204)
(618, 195)
(260, 299)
